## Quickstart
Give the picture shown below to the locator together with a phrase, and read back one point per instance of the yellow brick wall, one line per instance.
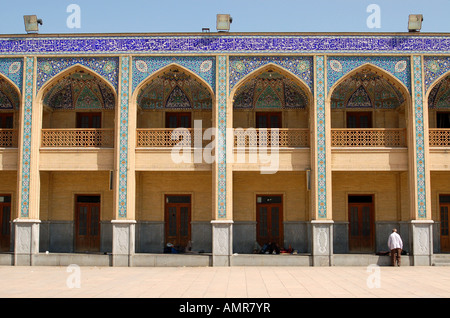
(8, 186)
(152, 186)
(58, 190)
(292, 185)
(290, 119)
(390, 190)
(67, 119)
(380, 119)
(440, 184)
(157, 119)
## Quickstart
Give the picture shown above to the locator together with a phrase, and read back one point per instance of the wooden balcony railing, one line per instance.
(168, 137)
(287, 137)
(374, 137)
(8, 138)
(439, 137)
(86, 137)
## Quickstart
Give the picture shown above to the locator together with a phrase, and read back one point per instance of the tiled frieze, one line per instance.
(106, 67)
(419, 138)
(241, 66)
(203, 66)
(339, 66)
(221, 44)
(12, 68)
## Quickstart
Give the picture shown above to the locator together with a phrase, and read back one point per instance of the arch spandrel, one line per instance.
(12, 69)
(299, 66)
(146, 67)
(398, 67)
(390, 92)
(106, 68)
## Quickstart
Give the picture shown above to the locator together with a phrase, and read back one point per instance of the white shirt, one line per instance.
(395, 241)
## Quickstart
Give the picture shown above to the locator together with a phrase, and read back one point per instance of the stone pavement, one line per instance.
(225, 282)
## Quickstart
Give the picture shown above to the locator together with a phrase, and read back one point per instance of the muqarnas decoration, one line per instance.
(9, 97)
(366, 89)
(80, 90)
(270, 90)
(174, 89)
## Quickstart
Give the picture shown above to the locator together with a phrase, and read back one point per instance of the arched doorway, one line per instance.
(170, 99)
(78, 111)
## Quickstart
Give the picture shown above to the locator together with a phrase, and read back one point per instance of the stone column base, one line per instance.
(123, 244)
(422, 242)
(222, 242)
(26, 241)
(322, 242)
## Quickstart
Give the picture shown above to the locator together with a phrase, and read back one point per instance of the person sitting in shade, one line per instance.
(395, 245)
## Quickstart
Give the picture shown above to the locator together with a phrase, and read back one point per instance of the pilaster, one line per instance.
(124, 170)
(222, 170)
(419, 174)
(322, 238)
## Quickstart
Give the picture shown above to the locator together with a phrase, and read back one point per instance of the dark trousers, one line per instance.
(395, 256)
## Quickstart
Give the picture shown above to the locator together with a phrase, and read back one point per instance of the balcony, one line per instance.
(168, 137)
(287, 137)
(85, 138)
(374, 137)
(8, 138)
(439, 137)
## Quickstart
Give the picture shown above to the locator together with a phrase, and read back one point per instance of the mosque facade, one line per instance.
(224, 149)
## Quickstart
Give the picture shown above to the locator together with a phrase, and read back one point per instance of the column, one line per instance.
(26, 226)
(123, 226)
(222, 224)
(321, 218)
(419, 174)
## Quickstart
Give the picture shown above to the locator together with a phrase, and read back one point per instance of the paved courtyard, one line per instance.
(224, 282)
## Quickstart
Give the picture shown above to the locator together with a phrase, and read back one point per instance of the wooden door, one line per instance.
(6, 120)
(361, 223)
(269, 220)
(89, 120)
(178, 120)
(268, 120)
(178, 220)
(5, 222)
(444, 207)
(87, 223)
(443, 120)
(359, 120)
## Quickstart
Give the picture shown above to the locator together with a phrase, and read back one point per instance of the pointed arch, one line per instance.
(436, 83)
(68, 71)
(377, 70)
(161, 71)
(14, 88)
(279, 69)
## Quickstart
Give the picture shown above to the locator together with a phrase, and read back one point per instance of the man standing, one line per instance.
(395, 244)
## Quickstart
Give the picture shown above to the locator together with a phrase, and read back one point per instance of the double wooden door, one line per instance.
(444, 207)
(178, 220)
(359, 120)
(87, 223)
(269, 219)
(361, 223)
(5, 222)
